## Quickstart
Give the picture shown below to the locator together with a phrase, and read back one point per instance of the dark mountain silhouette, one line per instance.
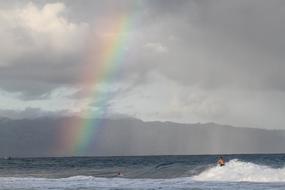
(41, 136)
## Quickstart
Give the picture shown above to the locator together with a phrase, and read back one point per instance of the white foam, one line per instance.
(236, 171)
(89, 182)
(227, 177)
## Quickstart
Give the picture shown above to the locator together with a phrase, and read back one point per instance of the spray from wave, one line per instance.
(236, 171)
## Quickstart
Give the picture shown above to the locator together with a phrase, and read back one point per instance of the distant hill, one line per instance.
(41, 136)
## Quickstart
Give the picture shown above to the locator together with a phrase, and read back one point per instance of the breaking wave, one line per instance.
(236, 171)
(212, 177)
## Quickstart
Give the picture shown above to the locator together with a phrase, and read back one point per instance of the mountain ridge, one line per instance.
(130, 136)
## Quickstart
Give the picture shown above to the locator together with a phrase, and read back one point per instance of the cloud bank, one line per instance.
(192, 61)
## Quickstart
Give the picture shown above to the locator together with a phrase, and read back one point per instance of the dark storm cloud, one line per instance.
(223, 43)
(212, 44)
(246, 38)
(38, 74)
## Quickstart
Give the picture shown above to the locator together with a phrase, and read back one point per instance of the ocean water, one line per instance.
(145, 173)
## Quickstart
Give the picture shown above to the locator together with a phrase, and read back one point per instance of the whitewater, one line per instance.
(237, 171)
(165, 172)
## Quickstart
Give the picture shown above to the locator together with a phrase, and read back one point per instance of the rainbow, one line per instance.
(106, 53)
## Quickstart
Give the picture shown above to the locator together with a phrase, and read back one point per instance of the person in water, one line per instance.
(119, 174)
(221, 161)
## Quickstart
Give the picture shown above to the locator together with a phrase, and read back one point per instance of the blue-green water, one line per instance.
(144, 172)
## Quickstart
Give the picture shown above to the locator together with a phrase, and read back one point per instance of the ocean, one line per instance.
(254, 171)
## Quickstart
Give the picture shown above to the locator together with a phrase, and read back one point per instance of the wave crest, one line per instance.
(236, 171)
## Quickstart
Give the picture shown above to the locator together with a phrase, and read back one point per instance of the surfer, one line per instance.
(221, 161)
(119, 174)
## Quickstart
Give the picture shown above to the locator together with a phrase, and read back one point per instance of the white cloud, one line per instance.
(32, 28)
(156, 47)
(165, 99)
(57, 100)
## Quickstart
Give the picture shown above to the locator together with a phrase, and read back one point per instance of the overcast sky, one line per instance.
(185, 61)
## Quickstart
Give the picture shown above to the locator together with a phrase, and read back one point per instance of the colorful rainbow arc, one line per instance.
(102, 69)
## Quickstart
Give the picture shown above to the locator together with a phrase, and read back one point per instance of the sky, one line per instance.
(183, 61)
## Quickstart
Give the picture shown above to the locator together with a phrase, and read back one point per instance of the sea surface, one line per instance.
(144, 173)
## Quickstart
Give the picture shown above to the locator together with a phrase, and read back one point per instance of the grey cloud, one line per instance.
(38, 74)
(30, 113)
(222, 45)
(218, 44)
